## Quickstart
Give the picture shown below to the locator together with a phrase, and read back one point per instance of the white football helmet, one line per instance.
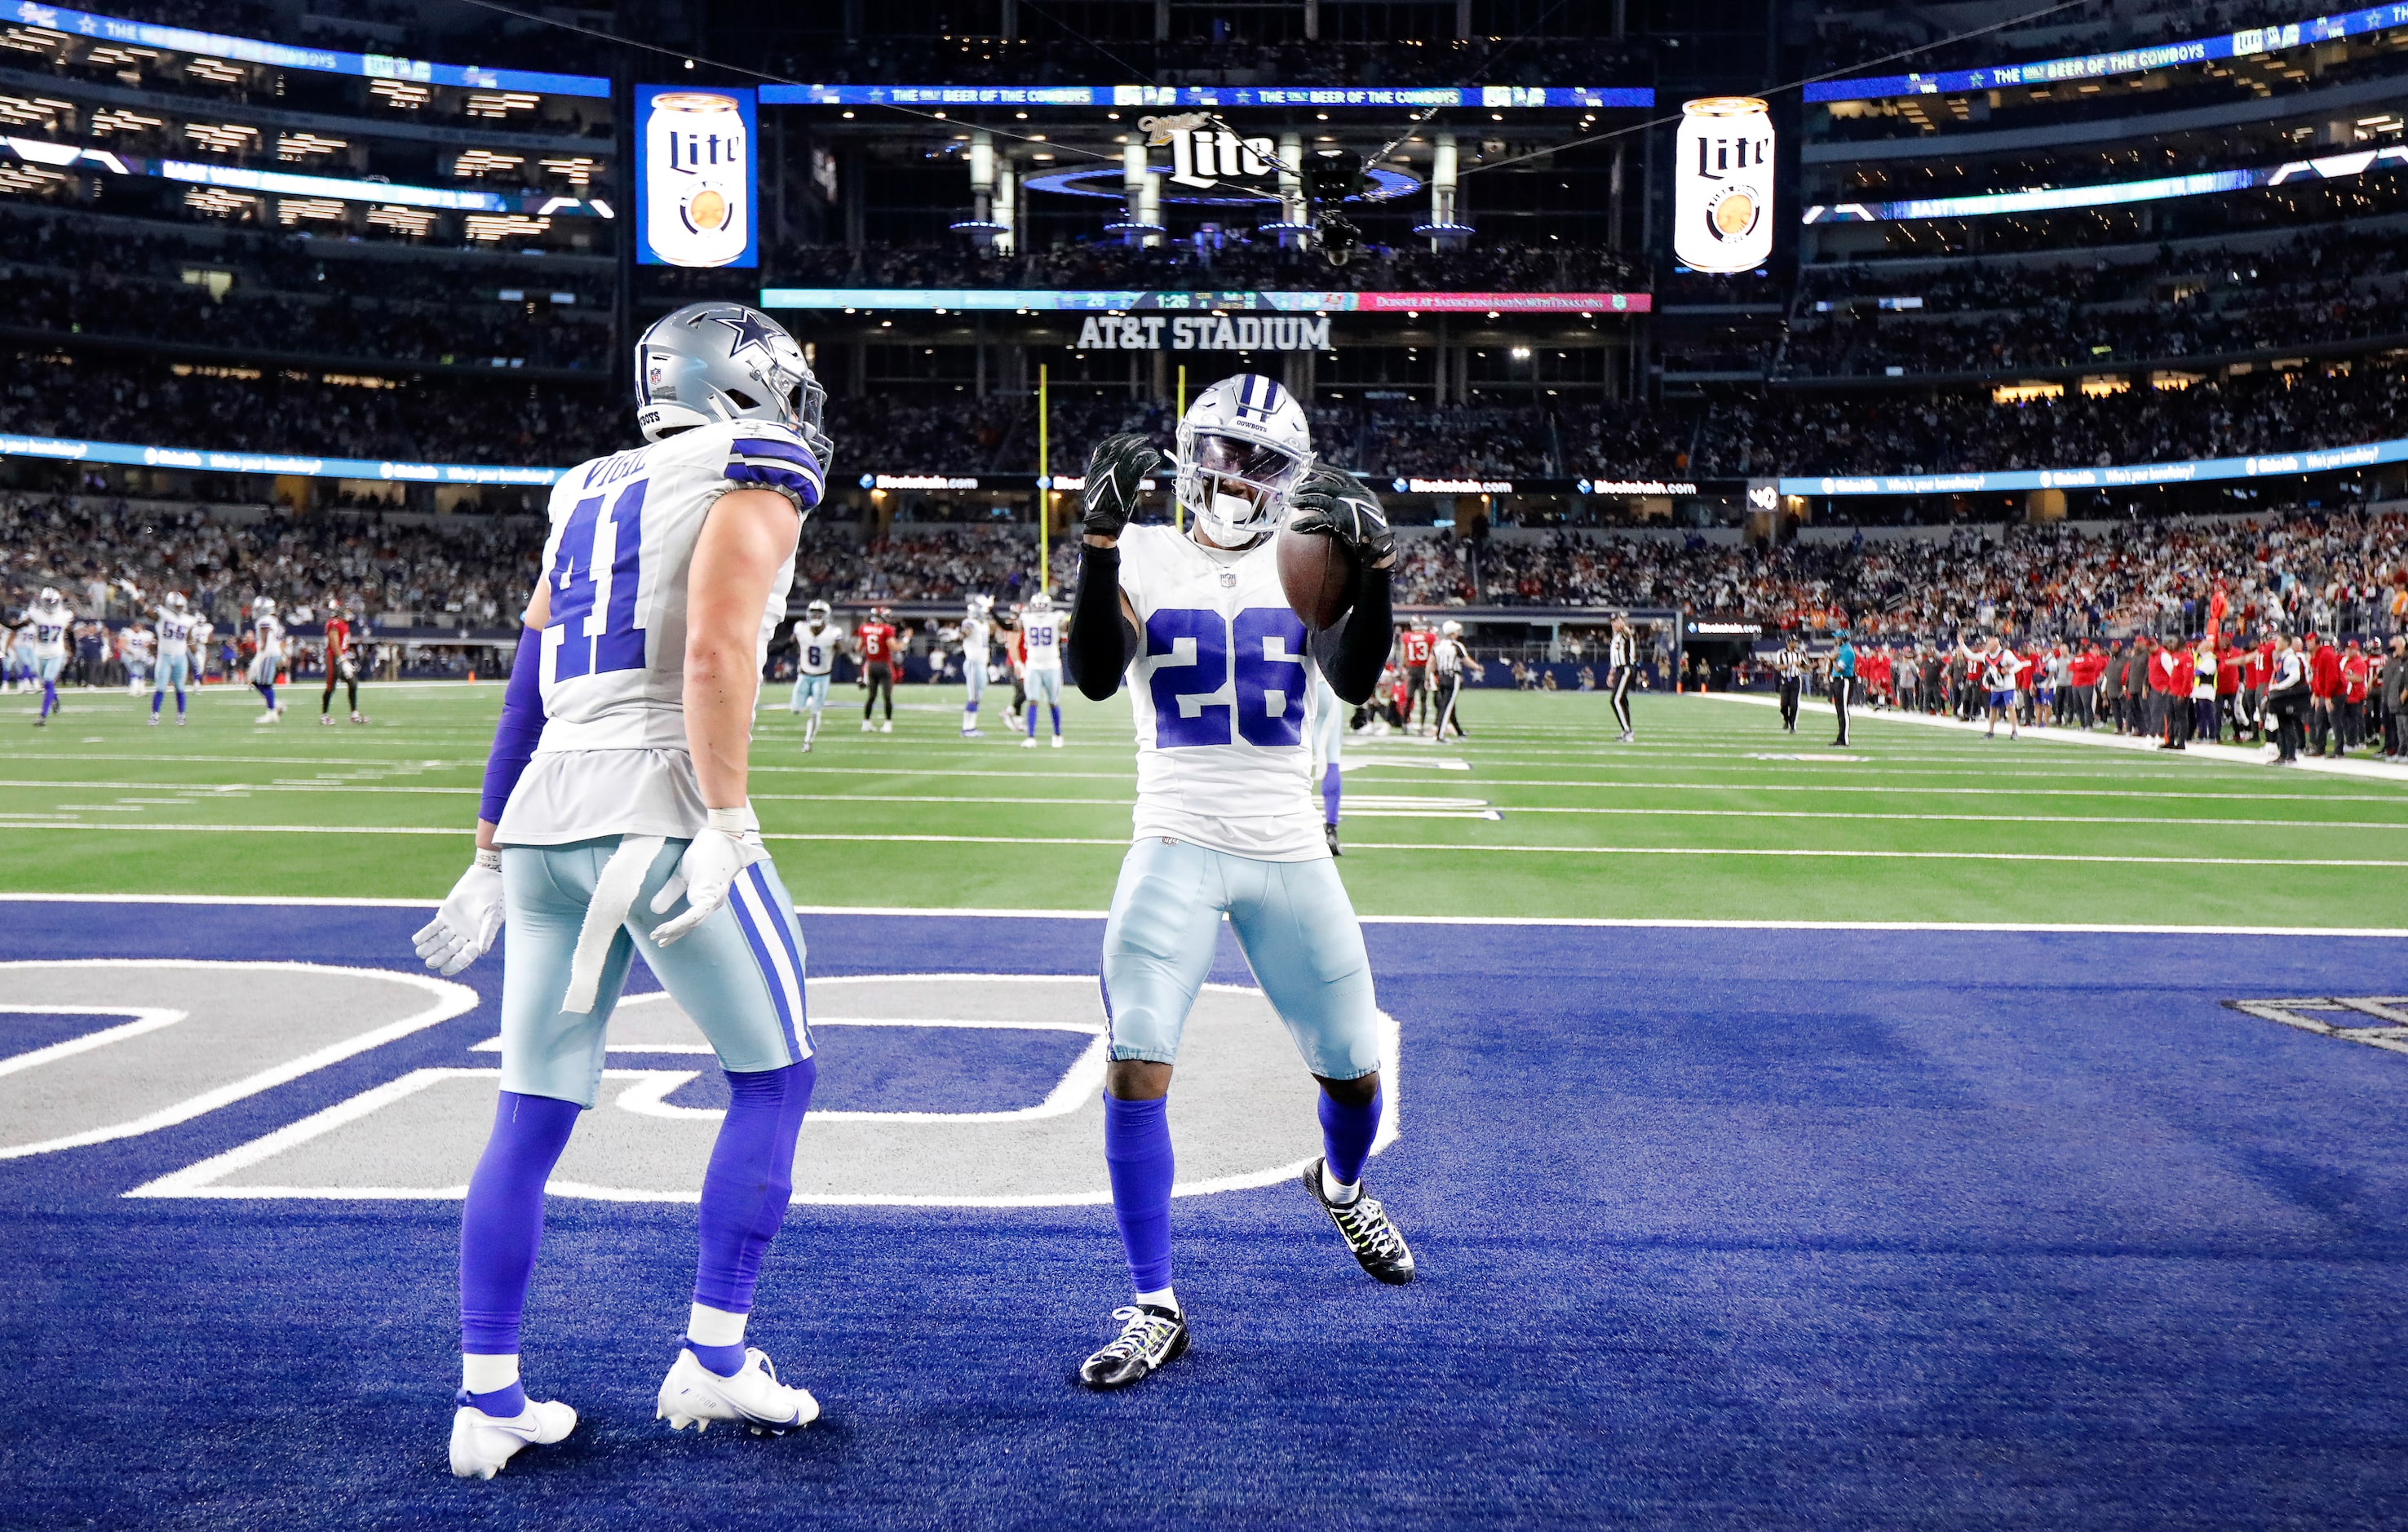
(262, 607)
(819, 614)
(1242, 450)
(176, 601)
(1040, 602)
(49, 598)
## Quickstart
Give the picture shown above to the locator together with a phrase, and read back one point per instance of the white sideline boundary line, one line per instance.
(1570, 922)
(2221, 754)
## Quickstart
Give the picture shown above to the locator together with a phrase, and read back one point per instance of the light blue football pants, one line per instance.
(175, 672)
(1295, 924)
(738, 974)
(809, 692)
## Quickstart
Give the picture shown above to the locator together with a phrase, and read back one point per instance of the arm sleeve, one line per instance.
(1352, 654)
(521, 726)
(1101, 642)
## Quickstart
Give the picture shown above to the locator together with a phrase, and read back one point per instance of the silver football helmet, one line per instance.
(176, 601)
(1040, 602)
(1242, 450)
(818, 614)
(49, 598)
(264, 607)
(712, 361)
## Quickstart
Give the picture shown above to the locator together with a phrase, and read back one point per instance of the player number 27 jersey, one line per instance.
(1219, 687)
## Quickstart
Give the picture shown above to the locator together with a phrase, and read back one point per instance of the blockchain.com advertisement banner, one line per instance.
(695, 182)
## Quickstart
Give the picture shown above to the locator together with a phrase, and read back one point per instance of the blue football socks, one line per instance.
(1136, 1151)
(1347, 1135)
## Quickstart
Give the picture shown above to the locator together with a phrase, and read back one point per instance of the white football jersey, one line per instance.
(612, 759)
(1043, 630)
(50, 625)
(176, 632)
(818, 650)
(1998, 670)
(974, 641)
(134, 643)
(1219, 687)
(269, 634)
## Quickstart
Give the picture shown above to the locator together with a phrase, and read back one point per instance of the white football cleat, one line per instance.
(1057, 741)
(693, 1394)
(481, 1443)
(887, 726)
(1029, 743)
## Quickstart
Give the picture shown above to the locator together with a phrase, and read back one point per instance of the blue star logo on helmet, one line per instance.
(751, 329)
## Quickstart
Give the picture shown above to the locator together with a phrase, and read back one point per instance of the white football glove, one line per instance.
(712, 860)
(464, 929)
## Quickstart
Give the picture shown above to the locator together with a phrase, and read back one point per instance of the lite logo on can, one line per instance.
(696, 154)
(1722, 211)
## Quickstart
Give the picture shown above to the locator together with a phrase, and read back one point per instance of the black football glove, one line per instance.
(1114, 470)
(1336, 503)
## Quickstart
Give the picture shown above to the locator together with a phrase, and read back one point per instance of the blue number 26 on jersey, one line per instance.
(1263, 646)
(620, 643)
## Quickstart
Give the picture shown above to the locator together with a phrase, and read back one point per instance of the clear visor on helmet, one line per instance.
(1249, 462)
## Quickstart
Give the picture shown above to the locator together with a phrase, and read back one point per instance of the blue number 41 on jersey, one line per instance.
(620, 643)
(1263, 647)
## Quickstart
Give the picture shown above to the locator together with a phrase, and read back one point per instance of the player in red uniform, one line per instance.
(1414, 652)
(2324, 690)
(2357, 681)
(340, 664)
(873, 644)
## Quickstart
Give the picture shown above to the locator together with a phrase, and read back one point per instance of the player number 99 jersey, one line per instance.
(1043, 633)
(1219, 686)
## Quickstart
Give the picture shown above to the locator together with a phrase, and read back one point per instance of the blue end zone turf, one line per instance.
(1728, 1228)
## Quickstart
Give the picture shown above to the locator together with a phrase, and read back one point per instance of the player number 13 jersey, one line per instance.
(1219, 687)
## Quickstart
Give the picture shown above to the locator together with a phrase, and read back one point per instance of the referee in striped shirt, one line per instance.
(1622, 669)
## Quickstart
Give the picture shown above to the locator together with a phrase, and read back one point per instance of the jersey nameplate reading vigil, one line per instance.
(1206, 332)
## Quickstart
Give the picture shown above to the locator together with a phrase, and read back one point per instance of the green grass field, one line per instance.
(1715, 814)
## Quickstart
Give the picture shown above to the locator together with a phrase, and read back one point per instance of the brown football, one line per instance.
(1317, 576)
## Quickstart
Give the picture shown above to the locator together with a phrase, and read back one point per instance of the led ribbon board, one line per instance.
(2114, 193)
(2228, 45)
(1491, 96)
(177, 39)
(283, 183)
(67, 450)
(2207, 470)
(1110, 300)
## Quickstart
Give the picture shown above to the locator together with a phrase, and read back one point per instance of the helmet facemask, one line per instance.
(1237, 488)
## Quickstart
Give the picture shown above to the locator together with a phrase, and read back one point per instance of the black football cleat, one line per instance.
(1151, 1339)
(1377, 1244)
(1329, 833)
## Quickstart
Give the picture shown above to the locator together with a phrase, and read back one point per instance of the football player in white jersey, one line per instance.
(615, 812)
(135, 646)
(1042, 630)
(1219, 668)
(268, 656)
(817, 638)
(978, 643)
(51, 621)
(176, 635)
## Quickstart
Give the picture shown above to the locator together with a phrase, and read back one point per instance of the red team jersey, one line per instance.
(1415, 647)
(2357, 676)
(876, 641)
(339, 638)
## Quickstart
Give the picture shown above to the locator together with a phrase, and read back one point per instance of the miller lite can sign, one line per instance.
(1722, 185)
(694, 205)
